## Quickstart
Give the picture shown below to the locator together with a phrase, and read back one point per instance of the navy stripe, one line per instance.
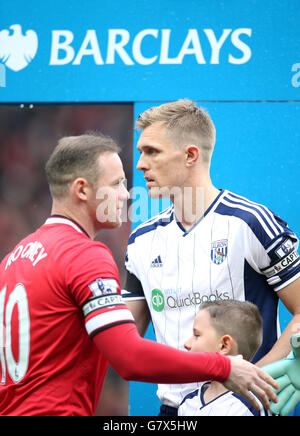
(190, 396)
(258, 291)
(248, 218)
(131, 295)
(270, 214)
(237, 203)
(141, 231)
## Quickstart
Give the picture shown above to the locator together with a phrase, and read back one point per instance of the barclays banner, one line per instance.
(102, 51)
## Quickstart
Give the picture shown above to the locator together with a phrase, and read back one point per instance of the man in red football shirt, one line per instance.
(62, 318)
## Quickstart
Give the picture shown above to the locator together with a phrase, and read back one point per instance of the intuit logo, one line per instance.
(158, 300)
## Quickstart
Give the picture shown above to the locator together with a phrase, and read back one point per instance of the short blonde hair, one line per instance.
(77, 156)
(186, 124)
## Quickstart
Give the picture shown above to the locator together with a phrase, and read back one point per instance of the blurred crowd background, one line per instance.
(28, 134)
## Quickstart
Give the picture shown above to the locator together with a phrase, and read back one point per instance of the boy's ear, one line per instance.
(227, 345)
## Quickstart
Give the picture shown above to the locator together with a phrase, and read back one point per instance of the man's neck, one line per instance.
(79, 218)
(192, 204)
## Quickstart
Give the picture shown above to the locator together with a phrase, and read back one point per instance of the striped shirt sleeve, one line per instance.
(279, 242)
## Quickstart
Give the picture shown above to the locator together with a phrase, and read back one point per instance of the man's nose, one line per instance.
(124, 194)
(142, 164)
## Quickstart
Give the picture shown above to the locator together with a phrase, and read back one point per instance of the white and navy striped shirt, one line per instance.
(237, 250)
(226, 404)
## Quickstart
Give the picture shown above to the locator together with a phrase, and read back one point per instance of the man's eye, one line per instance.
(150, 150)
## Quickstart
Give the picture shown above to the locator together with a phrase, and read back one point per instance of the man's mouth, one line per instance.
(149, 180)
(150, 183)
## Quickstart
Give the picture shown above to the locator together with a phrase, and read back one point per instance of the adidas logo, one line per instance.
(156, 263)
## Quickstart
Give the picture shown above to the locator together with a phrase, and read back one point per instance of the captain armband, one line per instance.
(285, 263)
(102, 302)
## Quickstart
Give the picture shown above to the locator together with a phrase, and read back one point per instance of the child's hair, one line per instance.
(239, 319)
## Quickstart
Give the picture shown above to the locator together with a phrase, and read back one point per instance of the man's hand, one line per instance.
(245, 378)
(287, 374)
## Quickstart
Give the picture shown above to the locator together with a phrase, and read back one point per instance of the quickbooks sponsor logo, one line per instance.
(158, 300)
(195, 299)
(159, 303)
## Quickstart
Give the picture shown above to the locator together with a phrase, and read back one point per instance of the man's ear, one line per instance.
(80, 189)
(192, 154)
(227, 345)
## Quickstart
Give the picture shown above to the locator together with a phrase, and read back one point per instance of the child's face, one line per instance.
(205, 337)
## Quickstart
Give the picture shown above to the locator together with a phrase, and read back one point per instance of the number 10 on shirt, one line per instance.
(16, 370)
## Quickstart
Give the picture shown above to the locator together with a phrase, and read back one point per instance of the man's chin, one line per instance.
(159, 193)
(113, 224)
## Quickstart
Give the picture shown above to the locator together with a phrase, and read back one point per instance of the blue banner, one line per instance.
(101, 51)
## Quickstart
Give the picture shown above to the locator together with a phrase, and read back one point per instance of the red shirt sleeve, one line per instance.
(135, 358)
(93, 280)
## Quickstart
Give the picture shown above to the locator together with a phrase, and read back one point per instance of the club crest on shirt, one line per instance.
(219, 250)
